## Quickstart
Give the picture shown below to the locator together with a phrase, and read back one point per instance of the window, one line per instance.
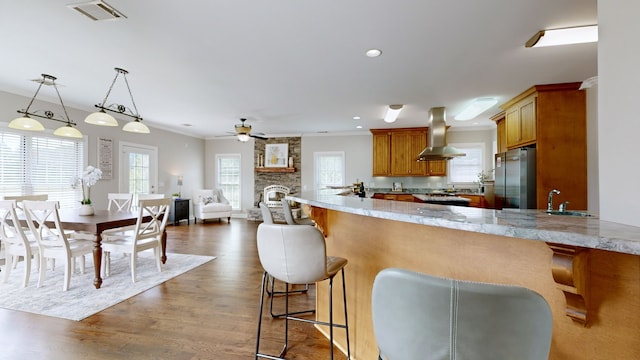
(465, 169)
(41, 164)
(329, 170)
(138, 168)
(229, 178)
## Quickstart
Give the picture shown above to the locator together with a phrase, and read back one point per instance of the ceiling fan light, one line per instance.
(26, 123)
(136, 127)
(68, 131)
(243, 137)
(101, 118)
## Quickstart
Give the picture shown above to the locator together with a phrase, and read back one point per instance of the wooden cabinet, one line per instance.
(381, 153)
(395, 197)
(553, 118)
(501, 131)
(395, 153)
(476, 200)
(437, 168)
(405, 147)
(520, 122)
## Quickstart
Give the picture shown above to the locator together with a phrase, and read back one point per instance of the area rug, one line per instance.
(83, 299)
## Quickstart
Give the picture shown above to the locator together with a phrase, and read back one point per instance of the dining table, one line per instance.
(100, 221)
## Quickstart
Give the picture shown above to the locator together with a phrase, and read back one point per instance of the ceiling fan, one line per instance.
(243, 132)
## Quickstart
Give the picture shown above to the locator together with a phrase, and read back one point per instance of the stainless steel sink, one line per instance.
(567, 213)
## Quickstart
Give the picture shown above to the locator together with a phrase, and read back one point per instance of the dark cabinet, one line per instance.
(179, 211)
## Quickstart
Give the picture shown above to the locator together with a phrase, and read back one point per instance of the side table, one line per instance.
(179, 211)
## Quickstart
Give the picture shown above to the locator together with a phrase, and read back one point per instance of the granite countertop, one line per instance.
(587, 231)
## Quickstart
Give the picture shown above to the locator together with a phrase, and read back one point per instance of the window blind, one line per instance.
(41, 164)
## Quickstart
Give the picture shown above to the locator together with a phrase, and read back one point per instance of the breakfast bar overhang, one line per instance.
(588, 270)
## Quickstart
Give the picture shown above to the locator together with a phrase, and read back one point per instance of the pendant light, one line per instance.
(102, 118)
(27, 123)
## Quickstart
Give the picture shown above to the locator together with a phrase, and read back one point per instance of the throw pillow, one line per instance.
(207, 200)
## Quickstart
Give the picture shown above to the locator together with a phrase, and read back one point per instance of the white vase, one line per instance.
(85, 209)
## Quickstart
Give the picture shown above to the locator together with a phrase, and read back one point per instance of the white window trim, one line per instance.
(461, 147)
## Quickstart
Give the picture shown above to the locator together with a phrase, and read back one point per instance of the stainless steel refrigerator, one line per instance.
(515, 173)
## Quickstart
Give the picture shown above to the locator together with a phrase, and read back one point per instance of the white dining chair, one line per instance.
(53, 242)
(288, 215)
(15, 241)
(146, 235)
(120, 201)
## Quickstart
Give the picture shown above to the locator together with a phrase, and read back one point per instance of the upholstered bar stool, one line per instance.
(267, 218)
(418, 316)
(296, 254)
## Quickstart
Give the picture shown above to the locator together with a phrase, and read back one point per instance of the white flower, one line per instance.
(89, 177)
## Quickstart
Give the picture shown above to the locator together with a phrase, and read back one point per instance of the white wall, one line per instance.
(177, 154)
(232, 146)
(618, 117)
(358, 156)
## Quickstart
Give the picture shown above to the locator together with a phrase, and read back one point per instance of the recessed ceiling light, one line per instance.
(373, 53)
(359, 127)
(356, 118)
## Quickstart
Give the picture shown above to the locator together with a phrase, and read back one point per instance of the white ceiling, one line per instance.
(291, 66)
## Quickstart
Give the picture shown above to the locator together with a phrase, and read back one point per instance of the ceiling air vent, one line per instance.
(97, 10)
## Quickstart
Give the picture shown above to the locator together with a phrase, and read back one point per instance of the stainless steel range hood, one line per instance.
(439, 150)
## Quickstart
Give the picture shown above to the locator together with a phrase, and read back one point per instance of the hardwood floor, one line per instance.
(207, 313)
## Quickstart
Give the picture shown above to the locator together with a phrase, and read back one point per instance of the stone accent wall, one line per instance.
(291, 180)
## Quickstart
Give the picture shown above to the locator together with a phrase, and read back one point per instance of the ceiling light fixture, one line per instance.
(103, 119)
(392, 113)
(565, 36)
(27, 123)
(373, 53)
(475, 108)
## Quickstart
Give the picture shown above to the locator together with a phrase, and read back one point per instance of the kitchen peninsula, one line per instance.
(587, 269)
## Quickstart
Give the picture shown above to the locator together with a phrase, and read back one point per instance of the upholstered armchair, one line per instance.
(210, 204)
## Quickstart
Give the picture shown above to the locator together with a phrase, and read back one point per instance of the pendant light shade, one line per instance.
(101, 118)
(26, 123)
(136, 127)
(68, 131)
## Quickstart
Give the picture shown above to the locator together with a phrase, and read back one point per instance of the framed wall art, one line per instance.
(276, 155)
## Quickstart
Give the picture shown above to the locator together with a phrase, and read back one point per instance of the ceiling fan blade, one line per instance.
(259, 136)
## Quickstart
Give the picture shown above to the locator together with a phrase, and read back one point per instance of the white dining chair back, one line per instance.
(267, 216)
(147, 234)
(53, 242)
(15, 242)
(120, 201)
(419, 316)
(20, 198)
(288, 215)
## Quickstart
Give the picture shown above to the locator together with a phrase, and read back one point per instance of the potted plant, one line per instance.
(89, 177)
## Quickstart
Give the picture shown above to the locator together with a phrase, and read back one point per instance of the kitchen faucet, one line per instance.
(550, 200)
(563, 206)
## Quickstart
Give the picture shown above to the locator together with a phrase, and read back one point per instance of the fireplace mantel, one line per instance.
(276, 169)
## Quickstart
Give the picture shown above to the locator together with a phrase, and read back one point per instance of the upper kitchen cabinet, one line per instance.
(520, 122)
(501, 131)
(395, 151)
(554, 119)
(381, 152)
